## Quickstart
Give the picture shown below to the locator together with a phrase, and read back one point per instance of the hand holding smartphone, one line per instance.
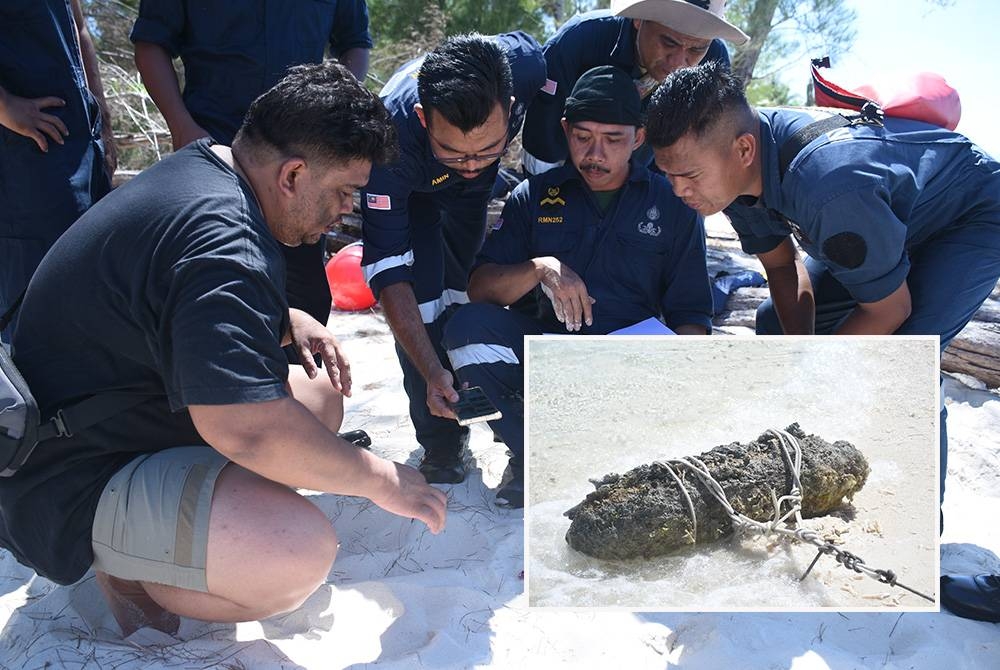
(473, 406)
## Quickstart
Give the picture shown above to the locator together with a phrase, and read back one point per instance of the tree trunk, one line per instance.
(758, 27)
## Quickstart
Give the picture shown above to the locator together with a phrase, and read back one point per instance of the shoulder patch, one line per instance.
(376, 201)
(846, 249)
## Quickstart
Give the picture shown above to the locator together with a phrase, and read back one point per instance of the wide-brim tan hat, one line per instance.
(696, 18)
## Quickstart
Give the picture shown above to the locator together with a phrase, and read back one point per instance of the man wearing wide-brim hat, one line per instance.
(648, 39)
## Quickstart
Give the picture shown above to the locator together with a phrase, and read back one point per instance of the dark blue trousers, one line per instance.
(951, 275)
(447, 229)
(486, 346)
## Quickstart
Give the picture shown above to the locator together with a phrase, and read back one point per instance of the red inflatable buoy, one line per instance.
(347, 284)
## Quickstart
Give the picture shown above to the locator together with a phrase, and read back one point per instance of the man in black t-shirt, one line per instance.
(172, 289)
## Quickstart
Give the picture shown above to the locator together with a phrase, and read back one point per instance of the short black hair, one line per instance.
(695, 100)
(321, 112)
(464, 79)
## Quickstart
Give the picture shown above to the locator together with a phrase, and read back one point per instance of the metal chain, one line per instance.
(778, 523)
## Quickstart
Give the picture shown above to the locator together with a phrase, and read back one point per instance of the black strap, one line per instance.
(871, 114)
(803, 136)
(87, 413)
(8, 316)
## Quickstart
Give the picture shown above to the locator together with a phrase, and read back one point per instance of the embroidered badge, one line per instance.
(438, 180)
(553, 198)
(647, 228)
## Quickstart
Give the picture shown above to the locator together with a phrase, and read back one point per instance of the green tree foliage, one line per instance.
(783, 34)
(393, 20)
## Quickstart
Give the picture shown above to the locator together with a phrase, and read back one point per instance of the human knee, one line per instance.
(767, 322)
(305, 570)
(318, 395)
(470, 323)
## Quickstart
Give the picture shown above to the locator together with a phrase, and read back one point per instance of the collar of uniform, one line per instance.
(623, 53)
(770, 177)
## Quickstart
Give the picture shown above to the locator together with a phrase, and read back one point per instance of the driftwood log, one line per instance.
(975, 351)
(643, 513)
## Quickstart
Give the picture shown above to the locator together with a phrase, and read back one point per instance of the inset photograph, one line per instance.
(685, 474)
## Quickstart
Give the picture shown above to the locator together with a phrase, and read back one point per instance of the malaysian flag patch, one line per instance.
(375, 201)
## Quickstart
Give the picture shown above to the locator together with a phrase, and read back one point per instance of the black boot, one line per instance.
(511, 492)
(442, 467)
(972, 597)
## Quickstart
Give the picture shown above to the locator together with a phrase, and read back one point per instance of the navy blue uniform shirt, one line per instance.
(582, 43)
(858, 198)
(42, 193)
(388, 255)
(235, 50)
(644, 258)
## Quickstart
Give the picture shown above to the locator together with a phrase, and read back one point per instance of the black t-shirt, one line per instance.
(171, 288)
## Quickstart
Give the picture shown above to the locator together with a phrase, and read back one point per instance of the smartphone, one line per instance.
(473, 406)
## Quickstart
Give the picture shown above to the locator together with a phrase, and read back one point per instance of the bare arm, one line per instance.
(157, 70)
(883, 317)
(88, 54)
(284, 442)
(790, 287)
(403, 315)
(356, 60)
(504, 284)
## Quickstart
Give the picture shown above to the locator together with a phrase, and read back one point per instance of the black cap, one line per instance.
(605, 94)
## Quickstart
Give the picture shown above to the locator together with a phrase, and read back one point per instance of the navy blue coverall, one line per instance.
(584, 42)
(42, 193)
(233, 52)
(874, 207)
(424, 223)
(644, 257)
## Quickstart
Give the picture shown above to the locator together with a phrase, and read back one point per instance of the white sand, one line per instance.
(402, 598)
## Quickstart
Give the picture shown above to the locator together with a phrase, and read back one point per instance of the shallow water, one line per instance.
(607, 405)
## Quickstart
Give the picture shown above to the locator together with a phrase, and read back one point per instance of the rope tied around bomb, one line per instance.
(791, 452)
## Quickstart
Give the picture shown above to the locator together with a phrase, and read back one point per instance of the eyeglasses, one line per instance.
(472, 158)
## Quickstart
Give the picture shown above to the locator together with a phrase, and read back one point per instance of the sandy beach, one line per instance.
(399, 597)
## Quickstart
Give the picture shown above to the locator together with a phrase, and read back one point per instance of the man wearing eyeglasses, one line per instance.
(455, 109)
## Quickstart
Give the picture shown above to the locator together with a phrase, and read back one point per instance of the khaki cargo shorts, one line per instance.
(152, 519)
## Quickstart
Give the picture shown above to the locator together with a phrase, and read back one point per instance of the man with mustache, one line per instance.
(456, 110)
(602, 237)
(648, 39)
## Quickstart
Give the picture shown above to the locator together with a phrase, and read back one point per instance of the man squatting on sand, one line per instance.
(901, 223)
(604, 238)
(174, 288)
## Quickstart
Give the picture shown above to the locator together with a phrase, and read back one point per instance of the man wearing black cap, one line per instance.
(603, 238)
